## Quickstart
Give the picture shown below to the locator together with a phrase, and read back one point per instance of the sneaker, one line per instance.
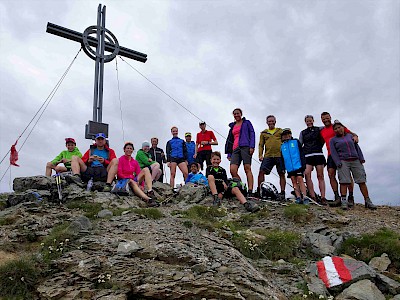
(151, 194)
(323, 201)
(77, 180)
(369, 204)
(350, 200)
(107, 188)
(216, 201)
(251, 207)
(298, 201)
(344, 204)
(306, 200)
(253, 195)
(151, 202)
(281, 196)
(336, 202)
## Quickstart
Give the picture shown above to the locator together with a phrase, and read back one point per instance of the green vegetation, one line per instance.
(18, 278)
(270, 244)
(370, 245)
(297, 213)
(149, 213)
(204, 213)
(119, 211)
(8, 220)
(57, 242)
(91, 209)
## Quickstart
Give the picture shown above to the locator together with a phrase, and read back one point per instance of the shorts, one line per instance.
(299, 172)
(353, 167)
(241, 154)
(97, 173)
(202, 156)
(177, 160)
(220, 188)
(330, 163)
(269, 162)
(316, 160)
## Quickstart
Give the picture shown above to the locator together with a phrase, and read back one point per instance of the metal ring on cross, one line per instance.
(89, 42)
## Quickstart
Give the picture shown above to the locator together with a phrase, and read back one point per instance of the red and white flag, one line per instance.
(333, 271)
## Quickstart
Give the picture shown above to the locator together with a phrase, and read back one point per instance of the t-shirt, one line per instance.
(327, 133)
(102, 153)
(207, 136)
(272, 131)
(219, 174)
(128, 167)
(236, 135)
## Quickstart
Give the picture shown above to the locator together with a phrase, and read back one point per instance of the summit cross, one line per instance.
(104, 41)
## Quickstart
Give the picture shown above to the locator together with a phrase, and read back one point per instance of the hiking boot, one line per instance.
(306, 200)
(77, 180)
(344, 204)
(337, 202)
(251, 207)
(151, 203)
(281, 196)
(369, 204)
(216, 201)
(323, 201)
(350, 200)
(151, 194)
(107, 188)
(298, 201)
(253, 195)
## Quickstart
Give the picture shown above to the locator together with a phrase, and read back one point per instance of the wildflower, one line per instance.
(61, 243)
(61, 249)
(310, 292)
(42, 244)
(99, 280)
(66, 240)
(22, 279)
(108, 276)
(11, 278)
(321, 297)
(51, 248)
(305, 296)
(54, 240)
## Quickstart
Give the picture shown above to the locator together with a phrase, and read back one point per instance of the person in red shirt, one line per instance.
(204, 140)
(327, 133)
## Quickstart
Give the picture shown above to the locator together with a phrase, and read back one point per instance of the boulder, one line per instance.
(21, 184)
(128, 247)
(380, 263)
(387, 285)
(361, 290)
(192, 194)
(105, 213)
(80, 224)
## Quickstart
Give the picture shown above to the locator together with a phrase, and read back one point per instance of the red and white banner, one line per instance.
(333, 271)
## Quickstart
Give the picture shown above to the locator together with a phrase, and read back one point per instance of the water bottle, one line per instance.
(89, 185)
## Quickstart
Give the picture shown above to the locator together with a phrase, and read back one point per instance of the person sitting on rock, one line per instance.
(349, 160)
(144, 159)
(195, 176)
(220, 186)
(63, 158)
(98, 163)
(128, 167)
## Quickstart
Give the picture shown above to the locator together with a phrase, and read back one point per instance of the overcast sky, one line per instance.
(287, 58)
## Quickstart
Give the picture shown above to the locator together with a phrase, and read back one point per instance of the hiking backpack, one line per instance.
(121, 188)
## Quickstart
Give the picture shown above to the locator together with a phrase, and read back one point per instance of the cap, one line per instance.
(286, 131)
(100, 135)
(202, 123)
(145, 144)
(188, 134)
(70, 140)
(337, 122)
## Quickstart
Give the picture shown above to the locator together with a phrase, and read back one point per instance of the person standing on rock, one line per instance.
(240, 147)
(204, 140)
(349, 160)
(176, 155)
(157, 154)
(64, 157)
(129, 168)
(269, 153)
(144, 159)
(311, 141)
(98, 163)
(191, 149)
(327, 133)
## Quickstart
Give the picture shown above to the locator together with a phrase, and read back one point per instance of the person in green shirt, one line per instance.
(144, 159)
(64, 157)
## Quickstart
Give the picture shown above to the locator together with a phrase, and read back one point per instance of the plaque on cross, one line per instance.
(104, 41)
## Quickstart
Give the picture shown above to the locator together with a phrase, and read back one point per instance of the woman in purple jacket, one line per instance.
(348, 158)
(240, 146)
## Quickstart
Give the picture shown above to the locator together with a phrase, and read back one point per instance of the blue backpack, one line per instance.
(121, 188)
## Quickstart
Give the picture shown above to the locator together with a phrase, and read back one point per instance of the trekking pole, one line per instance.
(58, 183)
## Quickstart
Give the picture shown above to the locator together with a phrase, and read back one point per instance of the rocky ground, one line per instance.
(100, 246)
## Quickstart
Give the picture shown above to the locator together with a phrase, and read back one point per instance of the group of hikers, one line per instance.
(277, 148)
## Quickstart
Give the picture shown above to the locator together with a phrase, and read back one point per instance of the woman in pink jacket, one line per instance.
(128, 167)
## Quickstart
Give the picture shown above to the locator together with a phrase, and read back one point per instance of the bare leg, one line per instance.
(138, 192)
(184, 169)
(343, 188)
(364, 190)
(302, 186)
(155, 171)
(172, 166)
(260, 179)
(309, 182)
(332, 179)
(234, 171)
(249, 175)
(211, 184)
(145, 175)
(112, 170)
(77, 165)
(60, 169)
(321, 179)
(295, 186)
(282, 181)
(351, 186)
(238, 194)
(49, 168)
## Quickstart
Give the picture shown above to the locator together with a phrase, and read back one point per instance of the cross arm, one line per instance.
(78, 37)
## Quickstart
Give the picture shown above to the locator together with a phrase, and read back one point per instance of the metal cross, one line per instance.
(110, 45)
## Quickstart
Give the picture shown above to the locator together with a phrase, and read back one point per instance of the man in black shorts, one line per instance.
(269, 150)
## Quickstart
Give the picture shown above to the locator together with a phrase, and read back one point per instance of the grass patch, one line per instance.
(57, 242)
(8, 220)
(187, 224)
(18, 278)
(91, 209)
(371, 245)
(270, 244)
(204, 213)
(119, 211)
(297, 213)
(149, 213)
